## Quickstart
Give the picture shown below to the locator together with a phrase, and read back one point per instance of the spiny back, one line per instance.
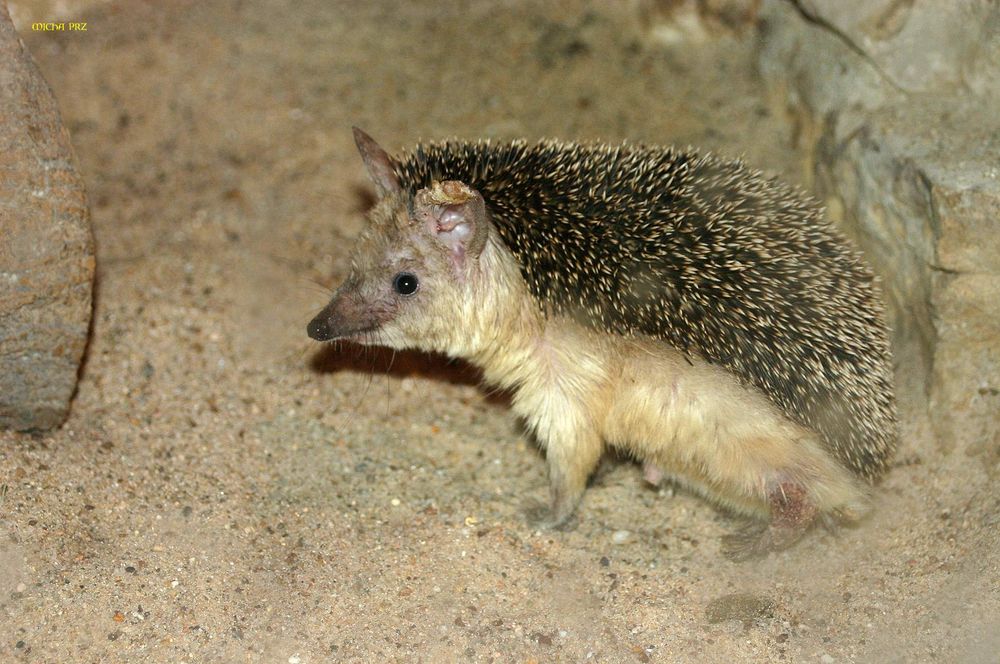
(703, 253)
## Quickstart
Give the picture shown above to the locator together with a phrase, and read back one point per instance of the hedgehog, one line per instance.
(679, 307)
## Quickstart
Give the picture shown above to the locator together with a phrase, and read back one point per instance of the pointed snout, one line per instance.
(319, 327)
(331, 323)
(347, 315)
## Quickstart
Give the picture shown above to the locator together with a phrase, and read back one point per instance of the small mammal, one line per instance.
(679, 306)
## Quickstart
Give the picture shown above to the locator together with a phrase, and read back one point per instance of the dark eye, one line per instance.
(405, 283)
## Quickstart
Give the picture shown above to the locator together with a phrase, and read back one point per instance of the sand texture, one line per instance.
(226, 490)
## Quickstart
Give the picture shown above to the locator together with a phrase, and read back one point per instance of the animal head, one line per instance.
(413, 267)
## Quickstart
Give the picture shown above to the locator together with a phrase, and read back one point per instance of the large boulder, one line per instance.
(46, 247)
(896, 105)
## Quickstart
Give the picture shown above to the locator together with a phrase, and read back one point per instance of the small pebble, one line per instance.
(620, 536)
(395, 502)
(826, 659)
(295, 659)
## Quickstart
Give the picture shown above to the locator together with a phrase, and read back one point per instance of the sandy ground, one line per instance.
(226, 490)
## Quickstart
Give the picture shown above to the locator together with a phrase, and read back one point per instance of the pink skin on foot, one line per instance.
(652, 474)
(792, 513)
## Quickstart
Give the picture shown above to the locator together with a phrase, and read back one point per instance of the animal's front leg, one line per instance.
(572, 457)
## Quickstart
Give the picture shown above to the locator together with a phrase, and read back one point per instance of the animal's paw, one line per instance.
(792, 514)
(542, 517)
(755, 540)
(750, 542)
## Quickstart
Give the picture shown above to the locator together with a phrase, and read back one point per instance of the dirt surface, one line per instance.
(226, 490)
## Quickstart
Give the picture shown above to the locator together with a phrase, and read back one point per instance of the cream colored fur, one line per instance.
(580, 390)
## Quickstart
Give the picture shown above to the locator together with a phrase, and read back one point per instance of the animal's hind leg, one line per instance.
(792, 513)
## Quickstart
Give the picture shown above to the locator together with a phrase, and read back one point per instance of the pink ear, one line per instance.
(378, 162)
(455, 214)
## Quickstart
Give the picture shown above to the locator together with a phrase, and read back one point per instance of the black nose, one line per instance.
(319, 328)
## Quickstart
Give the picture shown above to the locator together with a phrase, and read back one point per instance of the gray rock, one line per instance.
(46, 247)
(917, 46)
(897, 109)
